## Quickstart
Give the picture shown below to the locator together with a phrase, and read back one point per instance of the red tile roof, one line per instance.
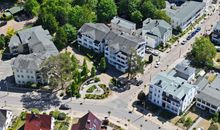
(37, 122)
(87, 122)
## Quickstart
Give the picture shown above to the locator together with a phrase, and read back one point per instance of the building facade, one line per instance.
(5, 119)
(186, 14)
(116, 45)
(216, 34)
(171, 93)
(32, 46)
(208, 98)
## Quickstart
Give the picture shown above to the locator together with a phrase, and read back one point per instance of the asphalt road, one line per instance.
(120, 105)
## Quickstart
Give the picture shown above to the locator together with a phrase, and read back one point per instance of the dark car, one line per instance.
(139, 82)
(198, 29)
(64, 107)
(3, 23)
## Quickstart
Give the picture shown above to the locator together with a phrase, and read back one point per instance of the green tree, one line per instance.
(150, 60)
(213, 127)
(133, 5)
(48, 21)
(188, 122)
(106, 10)
(148, 9)
(136, 16)
(103, 64)
(60, 38)
(89, 3)
(2, 42)
(160, 4)
(32, 7)
(80, 15)
(141, 96)
(161, 14)
(215, 117)
(136, 65)
(203, 52)
(58, 70)
(70, 31)
(93, 71)
(123, 8)
(85, 70)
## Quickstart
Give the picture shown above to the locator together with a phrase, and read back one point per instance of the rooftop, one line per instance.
(211, 93)
(185, 11)
(87, 122)
(174, 86)
(156, 26)
(185, 69)
(123, 23)
(95, 31)
(15, 9)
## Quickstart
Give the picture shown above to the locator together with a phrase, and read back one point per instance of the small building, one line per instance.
(39, 122)
(9, 13)
(156, 32)
(123, 25)
(185, 71)
(216, 34)
(186, 14)
(5, 119)
(33, 46)
(171, 93)
(88, 122)
(208, 98)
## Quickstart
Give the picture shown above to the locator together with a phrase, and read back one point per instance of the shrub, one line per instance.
(35, 111)
(91, 89)
(61, 116)
(55, 114)
(23, 115)
(97, 79)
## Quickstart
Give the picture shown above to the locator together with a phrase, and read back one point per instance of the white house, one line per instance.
(5, 119)
(33, 45)
(123, 25)
(216, 34)
(156, 32)
(186, 14)
(208, 98)
(171, 93)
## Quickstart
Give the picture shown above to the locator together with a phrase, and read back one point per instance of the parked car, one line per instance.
(156, 66)
(3, 23)
(64, 107)
(198, 29)
(155, 53)
(139, 82)
(183, 42)
(189, 37)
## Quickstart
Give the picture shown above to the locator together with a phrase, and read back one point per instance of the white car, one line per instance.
(158, 62)
(156, 66)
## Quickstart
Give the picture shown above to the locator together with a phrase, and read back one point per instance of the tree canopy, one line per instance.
(106, 10)
(32, 7)
(203, 52)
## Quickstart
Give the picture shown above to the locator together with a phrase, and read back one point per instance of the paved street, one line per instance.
(120, 104)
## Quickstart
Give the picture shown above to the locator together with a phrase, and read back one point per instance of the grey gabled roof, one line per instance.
(185, 69)
(123, 23)
(15, 9)
(40, 45)
(96, 31)
(122, 42)
(156, 27)
(186, 11)
(174, 86)
(3, 116)
(211, 93)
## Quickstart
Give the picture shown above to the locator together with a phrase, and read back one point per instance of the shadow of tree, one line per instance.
(40, 100)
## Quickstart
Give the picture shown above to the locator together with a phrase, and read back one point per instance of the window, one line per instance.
(21, 71)
(32, 77)
(19, 81)
(28, 76)
(27, 71)
(22, 76)
(17, 70)
(18, 76)
(23, 82)
(31, 72)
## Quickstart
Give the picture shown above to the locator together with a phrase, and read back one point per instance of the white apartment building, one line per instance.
(91, 36)
(5, 119)
(208, 98)
(123, 25)
(116, 45)
(33, 45)
(186, 14)
(171, 93)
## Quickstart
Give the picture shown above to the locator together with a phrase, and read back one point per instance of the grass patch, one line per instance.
(19, 122)
(62, 125)
(104, 95)
(91, 89)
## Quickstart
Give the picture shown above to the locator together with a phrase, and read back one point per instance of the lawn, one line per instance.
(63, 125)
(91, 89)
(217, 60)
(17, 124)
